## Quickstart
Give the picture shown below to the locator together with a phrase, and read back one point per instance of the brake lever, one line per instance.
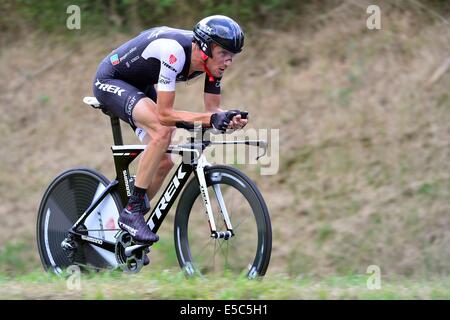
(263, 145)
(244, 114)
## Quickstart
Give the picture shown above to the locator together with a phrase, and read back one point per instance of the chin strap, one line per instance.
(204, 58)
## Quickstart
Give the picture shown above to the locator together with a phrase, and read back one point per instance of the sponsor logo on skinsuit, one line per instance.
(130, 103)
(164, 80)
(109, 88)
(172, 59)
(114, 59)
(126, 54)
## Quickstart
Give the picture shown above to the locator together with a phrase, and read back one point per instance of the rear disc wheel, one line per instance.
(65, 200)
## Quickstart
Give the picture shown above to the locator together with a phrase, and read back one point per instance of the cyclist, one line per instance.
(125, 84)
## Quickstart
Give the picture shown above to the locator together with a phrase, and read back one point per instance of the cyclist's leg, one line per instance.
(120, 98)
(164, 168)
(166, 163)
(155, 163)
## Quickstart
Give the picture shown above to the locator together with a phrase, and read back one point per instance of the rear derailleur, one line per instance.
(69, 246)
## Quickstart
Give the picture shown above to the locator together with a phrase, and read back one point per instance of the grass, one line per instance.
(172, 284)
(363, 153)
(10, 256)
(16, 258)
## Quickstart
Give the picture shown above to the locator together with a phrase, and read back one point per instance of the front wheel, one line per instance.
(247, 251)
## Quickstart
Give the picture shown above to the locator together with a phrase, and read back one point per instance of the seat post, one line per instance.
(116, 130)
(115, 121)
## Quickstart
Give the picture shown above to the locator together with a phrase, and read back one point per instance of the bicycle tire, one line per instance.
(64, 201)
(227, 178)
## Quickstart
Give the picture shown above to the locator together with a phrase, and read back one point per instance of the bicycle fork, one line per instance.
(201, 164)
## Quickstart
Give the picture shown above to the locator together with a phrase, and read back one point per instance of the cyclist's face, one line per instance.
(221, 60)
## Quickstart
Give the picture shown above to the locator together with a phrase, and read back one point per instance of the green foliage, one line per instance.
(103, 17)
(167, 252)
(325, 232)
(15, 258)
(98, 16)
(44, 98)
(10, 259)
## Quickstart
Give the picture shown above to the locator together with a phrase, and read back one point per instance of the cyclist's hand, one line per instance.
(239, 121)
(221, 120)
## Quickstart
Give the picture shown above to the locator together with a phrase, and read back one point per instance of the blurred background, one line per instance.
(364, 120)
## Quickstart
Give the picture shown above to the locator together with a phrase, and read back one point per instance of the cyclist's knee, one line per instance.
(163, 134)
(166, 165)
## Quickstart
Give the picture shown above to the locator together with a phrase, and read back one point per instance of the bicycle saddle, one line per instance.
(93, 102)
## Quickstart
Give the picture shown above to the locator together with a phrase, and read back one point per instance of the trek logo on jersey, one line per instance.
(172, 59)
(165, 64)
(114, 59)
(109, 88)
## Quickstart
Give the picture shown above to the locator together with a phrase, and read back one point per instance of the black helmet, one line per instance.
(222, 30)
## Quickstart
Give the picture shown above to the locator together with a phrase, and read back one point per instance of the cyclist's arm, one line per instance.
(212, 94)
(172, 58)
(168, 116)
(212, 102)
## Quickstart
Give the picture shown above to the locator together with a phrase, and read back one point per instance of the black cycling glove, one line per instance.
(221, 120)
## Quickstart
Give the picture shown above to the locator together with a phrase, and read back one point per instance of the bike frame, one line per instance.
(125, 154)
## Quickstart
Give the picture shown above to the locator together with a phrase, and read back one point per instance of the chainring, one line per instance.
(134, 262)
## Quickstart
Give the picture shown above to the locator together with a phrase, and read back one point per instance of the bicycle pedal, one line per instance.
(146, 260)
(131, 249)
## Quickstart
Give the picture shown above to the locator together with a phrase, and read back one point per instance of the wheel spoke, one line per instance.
(240, 222)
(247, 218)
